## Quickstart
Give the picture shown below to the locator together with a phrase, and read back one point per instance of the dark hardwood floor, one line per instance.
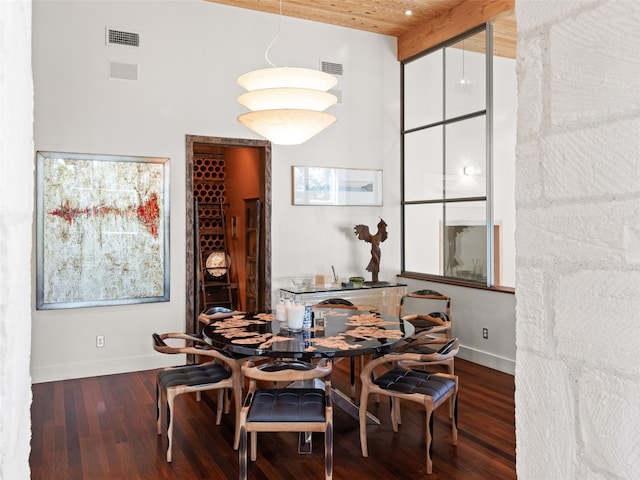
(104, 428)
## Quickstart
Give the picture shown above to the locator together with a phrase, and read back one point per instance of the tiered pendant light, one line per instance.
(287, 104)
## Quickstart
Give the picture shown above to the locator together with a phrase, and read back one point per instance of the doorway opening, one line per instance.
(228, 221)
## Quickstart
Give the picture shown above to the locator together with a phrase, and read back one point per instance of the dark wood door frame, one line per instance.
(264, 148)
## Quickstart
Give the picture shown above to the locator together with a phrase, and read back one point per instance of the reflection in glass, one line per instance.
(448, 239)
(423, 164)
(466, 158)
(465, 241)
(465, 76)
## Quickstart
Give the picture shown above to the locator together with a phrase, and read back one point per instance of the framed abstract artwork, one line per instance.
(336, 186)
(102, 230)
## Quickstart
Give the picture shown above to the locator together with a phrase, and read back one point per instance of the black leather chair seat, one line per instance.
(290, 405)
(193, 375)
(422, 323)
(414, 381)
(421, 349)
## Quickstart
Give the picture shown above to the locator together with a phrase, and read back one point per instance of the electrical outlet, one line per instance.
(485, 333)
(100, 341)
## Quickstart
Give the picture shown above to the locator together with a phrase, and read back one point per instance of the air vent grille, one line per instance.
(332, 68)
(120, 37)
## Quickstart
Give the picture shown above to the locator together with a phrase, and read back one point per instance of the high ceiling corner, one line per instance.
(431, 21)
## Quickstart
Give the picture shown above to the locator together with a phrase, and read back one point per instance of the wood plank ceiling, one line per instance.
(431, 22)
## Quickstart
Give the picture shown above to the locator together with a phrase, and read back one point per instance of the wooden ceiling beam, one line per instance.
(456, 21)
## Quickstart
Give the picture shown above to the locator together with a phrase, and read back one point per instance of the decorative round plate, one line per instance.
(217, 264)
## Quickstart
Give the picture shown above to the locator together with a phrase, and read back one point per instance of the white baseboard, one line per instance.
(52, 373)
(487, 359)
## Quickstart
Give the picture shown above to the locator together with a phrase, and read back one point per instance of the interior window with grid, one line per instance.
(452, 226)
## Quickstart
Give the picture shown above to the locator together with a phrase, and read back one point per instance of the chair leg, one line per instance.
(450, 370)
(242, 453)
(361, 361)
(254, 446)
(220, 406)
(364, 398)
(454, 420)
(352, 376)
(158, 408)
(376, 396)
(170, 397)
(429, 430)
(328, 452)
(227, 401)
(395, 413)
(237, 400)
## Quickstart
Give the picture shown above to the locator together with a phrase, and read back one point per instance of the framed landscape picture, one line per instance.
(102, 230)
(336, 186)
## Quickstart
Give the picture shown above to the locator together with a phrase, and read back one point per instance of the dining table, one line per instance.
(346, 333)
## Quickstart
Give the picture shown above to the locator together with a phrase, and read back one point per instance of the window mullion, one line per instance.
(489, 154)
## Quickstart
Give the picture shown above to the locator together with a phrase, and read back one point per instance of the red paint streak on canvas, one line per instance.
(148, 213)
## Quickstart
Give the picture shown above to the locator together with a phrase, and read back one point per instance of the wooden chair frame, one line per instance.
(444, 351)
(168, 395)
(439, 324)
(253, 373)
(403, 360)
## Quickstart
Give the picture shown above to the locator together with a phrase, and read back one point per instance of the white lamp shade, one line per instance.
(285, 98)
(287, 126)
(287, 104)
(287, 77)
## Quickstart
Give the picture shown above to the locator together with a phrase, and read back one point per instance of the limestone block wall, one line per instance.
(16, 219)
(578, 240)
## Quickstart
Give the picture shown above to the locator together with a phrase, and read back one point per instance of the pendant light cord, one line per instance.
(266, 53)
(463, 79)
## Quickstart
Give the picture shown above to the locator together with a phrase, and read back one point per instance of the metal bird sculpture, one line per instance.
(362, 231)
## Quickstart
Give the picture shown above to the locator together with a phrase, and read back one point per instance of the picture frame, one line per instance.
(102, 230)
(336, 186)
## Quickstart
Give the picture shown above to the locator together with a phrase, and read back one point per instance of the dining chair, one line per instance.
(341, 303)
(429, 347)
(415, 305)
(300, 409)
(221, 373)
(401, 381)
(434, 351)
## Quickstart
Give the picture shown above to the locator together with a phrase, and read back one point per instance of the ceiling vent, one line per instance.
(120, 37)
(331, 68)
(123, 71)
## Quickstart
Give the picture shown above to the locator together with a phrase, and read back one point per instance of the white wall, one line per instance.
(578, 240)
(190, 54)
(16, 207)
